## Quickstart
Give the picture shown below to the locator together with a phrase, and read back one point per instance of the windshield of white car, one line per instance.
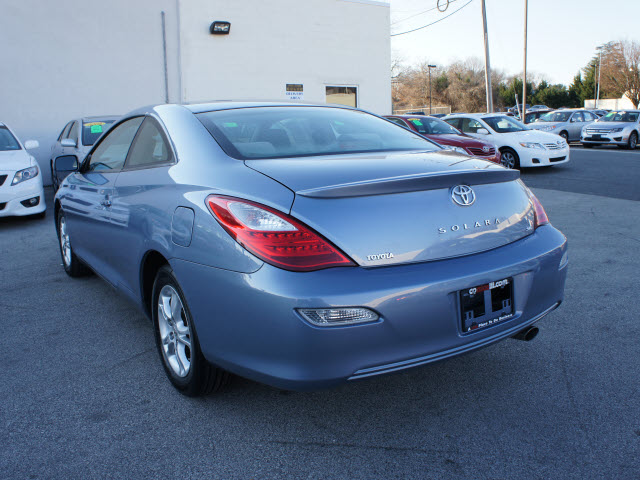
(555, 117)
(432, 126)
(8, 141)
(620, 117)
(91, 131)
(292, 131)
(504, 124)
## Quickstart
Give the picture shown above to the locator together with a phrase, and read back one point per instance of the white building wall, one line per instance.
(65, 59)
(271, 43)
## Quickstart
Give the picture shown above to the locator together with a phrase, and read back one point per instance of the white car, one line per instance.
(519, 145)
(21, 191)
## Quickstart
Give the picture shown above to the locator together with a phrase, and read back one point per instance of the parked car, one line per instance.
(438, 115)
(539, 107)
(620, 128)
(532, 116)
(518, 145)
(303, 245)
(567, 123)
(76, 138)
(516, 109)
(445, 135)
(21, 191)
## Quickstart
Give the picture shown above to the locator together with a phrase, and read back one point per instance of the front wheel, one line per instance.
(73, 266)
(633, 141)
(565, 136)
(509, 159)
(177, 342)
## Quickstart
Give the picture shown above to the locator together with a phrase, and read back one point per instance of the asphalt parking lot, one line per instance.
(84, 394)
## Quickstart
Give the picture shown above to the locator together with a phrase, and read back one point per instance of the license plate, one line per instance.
(596, 137)
(485, 305)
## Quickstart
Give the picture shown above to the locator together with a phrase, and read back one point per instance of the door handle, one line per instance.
(105, 202)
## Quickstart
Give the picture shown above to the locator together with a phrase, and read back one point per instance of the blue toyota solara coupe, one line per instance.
(302, 245)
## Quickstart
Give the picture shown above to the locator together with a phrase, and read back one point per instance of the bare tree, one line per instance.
(621, 70)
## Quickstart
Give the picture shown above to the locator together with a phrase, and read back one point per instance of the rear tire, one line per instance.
(73, 266)
(177, 341)
(509, 158)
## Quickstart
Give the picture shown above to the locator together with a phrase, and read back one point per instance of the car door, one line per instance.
(87, 202)
(144, 202)
(575, 126)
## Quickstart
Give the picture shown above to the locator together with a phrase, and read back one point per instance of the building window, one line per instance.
(343, 96)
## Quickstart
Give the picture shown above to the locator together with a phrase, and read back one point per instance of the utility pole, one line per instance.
(487, 63)
(524, 79)
(430, 67)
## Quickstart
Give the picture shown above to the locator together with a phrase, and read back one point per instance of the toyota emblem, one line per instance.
(463, 195)
(486, 149)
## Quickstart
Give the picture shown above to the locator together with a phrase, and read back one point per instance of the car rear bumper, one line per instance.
(247, 323)
(12, 196)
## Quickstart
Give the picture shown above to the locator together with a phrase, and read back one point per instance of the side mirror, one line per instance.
(65, 165)
(482, 131)
(68, 142)
(31, 144)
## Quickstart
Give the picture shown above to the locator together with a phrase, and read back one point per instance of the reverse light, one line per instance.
(274, 237)
(23, 175)
(329, 317)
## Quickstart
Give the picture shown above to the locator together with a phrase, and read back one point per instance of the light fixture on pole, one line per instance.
(430, 67)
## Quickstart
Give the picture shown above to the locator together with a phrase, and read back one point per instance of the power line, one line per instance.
(424, 11)
(432, 23)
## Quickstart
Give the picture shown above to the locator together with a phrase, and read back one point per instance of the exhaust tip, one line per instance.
(527, 334)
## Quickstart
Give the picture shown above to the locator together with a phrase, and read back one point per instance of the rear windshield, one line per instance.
(620, 117)
(91, 131)
(432, 126)
(8, 141)
(275, 132)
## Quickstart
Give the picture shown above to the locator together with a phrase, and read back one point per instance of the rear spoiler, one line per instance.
(413, 183)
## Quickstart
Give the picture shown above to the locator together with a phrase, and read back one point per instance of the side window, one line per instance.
(399, 122)
(73, 132)
(112, 151)
(150, 147)
(65, 131)
(577, 117)
(469, 125)
(589, 117)
(454, 122)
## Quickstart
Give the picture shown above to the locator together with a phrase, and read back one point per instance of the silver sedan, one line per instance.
(620, 128)
(566, 123)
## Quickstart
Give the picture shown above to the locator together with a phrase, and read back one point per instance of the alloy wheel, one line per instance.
(65, 243)
(175, 331)
(508, 160)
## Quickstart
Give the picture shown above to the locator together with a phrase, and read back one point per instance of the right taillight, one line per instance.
(274, 237)
(540, 215)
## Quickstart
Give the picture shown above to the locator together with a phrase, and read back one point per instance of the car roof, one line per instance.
(229, 105)
(95, 118)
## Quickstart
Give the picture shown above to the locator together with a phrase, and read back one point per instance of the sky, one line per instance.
(562, 34)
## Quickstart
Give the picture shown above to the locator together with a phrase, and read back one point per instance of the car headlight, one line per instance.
(616, 130)
(455, 149)
(532, 145)
(26, 174)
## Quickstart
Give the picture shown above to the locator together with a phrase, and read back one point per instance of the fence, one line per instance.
(424, 109)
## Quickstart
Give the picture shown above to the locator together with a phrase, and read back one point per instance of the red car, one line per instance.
(444, 134)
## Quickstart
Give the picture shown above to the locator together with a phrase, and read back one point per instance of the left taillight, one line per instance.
(274, 237)
(540, 215)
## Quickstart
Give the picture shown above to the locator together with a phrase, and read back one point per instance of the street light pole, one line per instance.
(487, 63)
(430, 67)
(524, 79)
(599, 72)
